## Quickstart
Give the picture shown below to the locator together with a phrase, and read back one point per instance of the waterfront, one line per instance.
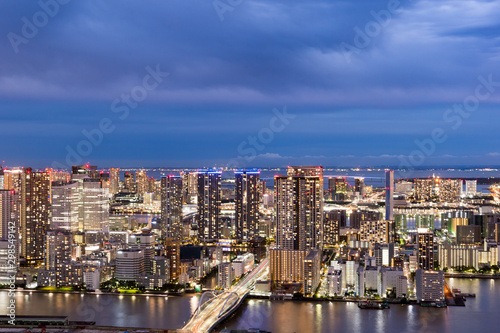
(274, 316)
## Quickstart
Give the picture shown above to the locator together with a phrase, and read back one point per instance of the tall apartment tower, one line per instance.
(35, 215)
(171, 206)
(9, 213)
(114, 181)
(247, 204)
(141, 182)
(209, 205)
(426, 250)
(312, 171)
(65, 204)
(129, 182)
(389, 195)
(299, 212)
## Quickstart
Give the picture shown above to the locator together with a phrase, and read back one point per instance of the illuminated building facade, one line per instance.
(171, 206)
(426, 250)
(35, 214)
(246, 204)
(209, 205)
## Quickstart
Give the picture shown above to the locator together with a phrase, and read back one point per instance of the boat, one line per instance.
(372, 305)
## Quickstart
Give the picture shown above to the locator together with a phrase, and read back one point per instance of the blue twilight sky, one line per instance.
(354, 83)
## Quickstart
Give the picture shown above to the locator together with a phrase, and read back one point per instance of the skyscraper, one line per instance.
(171, 206)
(9, 213)
(65, 204)
(389, 195)
(128, 182)
(337, 186)
(426, 250)
(209, 205)
(35, 214)
(299, 213)
(246, 203)
(95, 206)
(114, 181)
(141, 182)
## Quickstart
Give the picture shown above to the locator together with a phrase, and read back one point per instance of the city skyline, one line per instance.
(208, 79)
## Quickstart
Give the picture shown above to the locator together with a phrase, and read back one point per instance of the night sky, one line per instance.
(250, 83)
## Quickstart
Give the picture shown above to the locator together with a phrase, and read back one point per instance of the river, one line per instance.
(480, 313)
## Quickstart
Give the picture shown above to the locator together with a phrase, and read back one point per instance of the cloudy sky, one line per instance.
(250, 82)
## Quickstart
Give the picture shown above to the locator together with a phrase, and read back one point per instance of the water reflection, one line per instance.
(275, 316)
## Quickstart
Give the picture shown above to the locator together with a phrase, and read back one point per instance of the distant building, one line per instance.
(470, 187)
(114, 181)
(331, 227)
(430, 286)
(389, 195)
(146, 243)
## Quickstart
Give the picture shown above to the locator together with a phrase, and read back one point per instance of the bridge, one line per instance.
(214, 307)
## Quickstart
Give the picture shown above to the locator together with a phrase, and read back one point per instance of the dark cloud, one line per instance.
(227, 76)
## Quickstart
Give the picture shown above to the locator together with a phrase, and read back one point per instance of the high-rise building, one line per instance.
(95, 206)
(9, 214)
(426, 250)
(129, 182)
(389, 195)
(356, 217)
(448, 190)
(141, 182)
(12, 179)
(114, 181)
(58, 244)
(129, 264)
(173, 254)
(247, 204)
(171, 206)
(65, 205)
(380, 231)
(338, 187)
(225, 275)
(88, 170)
(311, 171)
(359, 186)
(423, 189)
(35, 215)
(299, 212)
(332, 222)
(470, 187)
(146, 243)
(209, 205)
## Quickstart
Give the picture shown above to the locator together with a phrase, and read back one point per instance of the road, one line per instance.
(209, 315)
